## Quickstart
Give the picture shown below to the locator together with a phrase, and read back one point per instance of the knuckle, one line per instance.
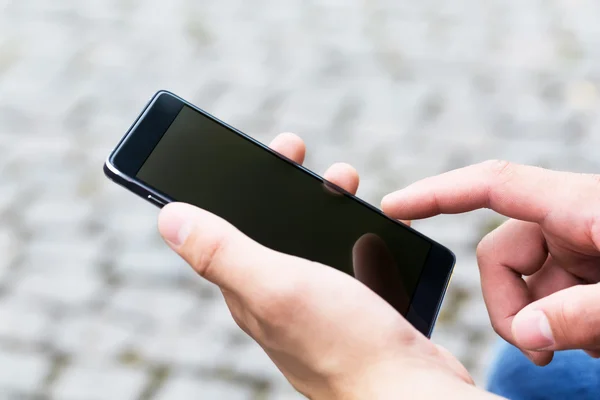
(496, 326)
(484, 248)
(499, 171)
(205, 253)
(498, 167)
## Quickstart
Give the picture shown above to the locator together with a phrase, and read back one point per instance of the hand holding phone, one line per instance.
(331, 336)
(175, 152)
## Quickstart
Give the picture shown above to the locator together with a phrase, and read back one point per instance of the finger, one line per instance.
(216, 250)
(569, 319)
(517, 191)
(593, 353)
(291, 146)
(515, 249)
(344, 176)
(550, 279)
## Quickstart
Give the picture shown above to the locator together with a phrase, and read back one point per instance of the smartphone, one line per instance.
(176, 152)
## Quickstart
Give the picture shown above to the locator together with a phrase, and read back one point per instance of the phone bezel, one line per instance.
(124, 162)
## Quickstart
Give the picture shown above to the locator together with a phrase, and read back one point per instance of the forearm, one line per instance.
(399, 384)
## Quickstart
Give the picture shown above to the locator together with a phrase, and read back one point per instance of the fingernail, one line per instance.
(385, 200)
(392, 198)
(175, 224)
(399, 195)
(528, 355)
(532, 331)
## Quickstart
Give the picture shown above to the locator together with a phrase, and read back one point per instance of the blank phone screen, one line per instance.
(204, 163)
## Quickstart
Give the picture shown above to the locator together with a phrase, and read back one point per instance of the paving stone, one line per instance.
(9, 249)
(22, 322)
(191, 348)
(22, 373)
(473, 316)
(52, 215)
(466, 272)
(76, 289)
(187, 388)
(155, 264)
(98, 382)
(68, 252)
(96, 336)
(163, 306)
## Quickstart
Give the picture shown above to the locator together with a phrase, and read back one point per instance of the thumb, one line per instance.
(214, 248)
(568, 319)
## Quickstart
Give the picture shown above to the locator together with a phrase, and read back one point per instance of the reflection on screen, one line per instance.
(201, 162)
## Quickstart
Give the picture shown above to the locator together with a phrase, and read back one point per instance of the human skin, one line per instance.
(539, 270)
(328, 333)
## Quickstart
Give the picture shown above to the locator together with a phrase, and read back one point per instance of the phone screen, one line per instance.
(202, 162)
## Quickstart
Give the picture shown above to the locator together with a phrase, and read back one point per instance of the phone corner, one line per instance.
(450, 261)
(451, 257)
(163, 92)
(109, 169)
(444, 256)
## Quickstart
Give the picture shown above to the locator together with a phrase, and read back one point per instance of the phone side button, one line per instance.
(156, 201)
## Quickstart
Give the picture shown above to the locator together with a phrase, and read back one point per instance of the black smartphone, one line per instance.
(175, 151)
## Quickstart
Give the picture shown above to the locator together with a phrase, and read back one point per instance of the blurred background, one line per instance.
(92, 303)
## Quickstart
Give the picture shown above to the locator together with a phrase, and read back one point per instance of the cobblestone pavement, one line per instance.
(92, 304)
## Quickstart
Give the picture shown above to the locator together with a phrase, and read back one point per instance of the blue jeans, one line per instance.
(571, 375)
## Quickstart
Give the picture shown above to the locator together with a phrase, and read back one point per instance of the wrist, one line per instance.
(402, 381)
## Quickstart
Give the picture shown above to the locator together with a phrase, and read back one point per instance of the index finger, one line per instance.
(516, 191)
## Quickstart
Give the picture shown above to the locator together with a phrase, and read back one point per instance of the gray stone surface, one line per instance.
(92, 303)
(23, 372)
(98, 382)
(186, 388)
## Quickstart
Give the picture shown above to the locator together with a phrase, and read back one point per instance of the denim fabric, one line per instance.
(571, 375)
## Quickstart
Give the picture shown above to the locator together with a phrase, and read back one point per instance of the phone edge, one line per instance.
(442, 297)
